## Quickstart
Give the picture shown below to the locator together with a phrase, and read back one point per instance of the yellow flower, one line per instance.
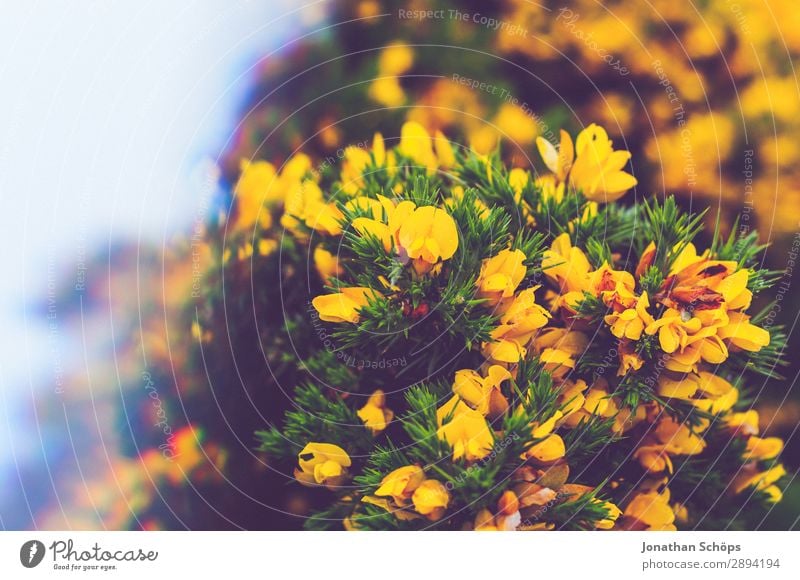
(734, 290)
(652, 509)
(322, 464)
(546, 427)
(629, 360)
(252, 191)
(515, 124)
(467, 431)
(630, 323)
(566, 265)
(745, 423)
(673, 329)
(518, 179)
(519, 321)
(507, 518)
(552, 446)
(378, 149)
(678, 437)
(560, 160)
(763, 449)
(611, 518)
(559, 348)
(344, 306)
(327, 264)
(416, 144)
(683, 388)
(304, 203)
(395, 59)
(597, 170)
(354, 163)
(763, 481)
(401, 484)
(548, 450)
(720, 395)
(385, 221)
(571, 397)
(500, 275)
(444, 151)
(742, 334)
(427, 236)
(483, 393)
(375, 414)
(614, 287)
(387, 91)
(431, 499)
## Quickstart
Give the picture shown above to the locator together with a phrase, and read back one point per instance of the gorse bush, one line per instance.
(486, 348)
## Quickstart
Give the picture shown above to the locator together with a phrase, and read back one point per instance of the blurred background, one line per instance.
(122, 129)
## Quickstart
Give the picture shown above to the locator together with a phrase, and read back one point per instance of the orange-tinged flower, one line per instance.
(344, 306)
(375, 414)
(614, 287)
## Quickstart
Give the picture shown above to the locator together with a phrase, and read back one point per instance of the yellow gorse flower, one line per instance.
(631, 322)
(466, 431)
(327, 264)
(322, 464)
(500, 276)
(483, 393)
(401, 484)
(344, 306)
(593, 166)
(431, 499)
(520, 319)
(651, 510)
(427, 236)
(375, 414)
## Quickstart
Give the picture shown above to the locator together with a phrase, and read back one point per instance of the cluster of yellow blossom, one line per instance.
(684, 325)
(672, 56)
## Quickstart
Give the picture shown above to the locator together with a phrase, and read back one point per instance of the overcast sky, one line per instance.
(111, 114)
